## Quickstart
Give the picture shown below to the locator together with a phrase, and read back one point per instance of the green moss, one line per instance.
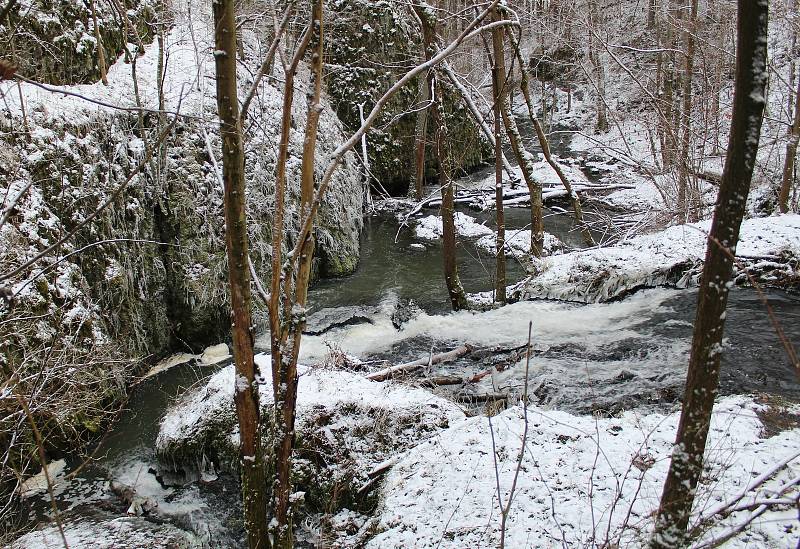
(339, 266)
(369, 58)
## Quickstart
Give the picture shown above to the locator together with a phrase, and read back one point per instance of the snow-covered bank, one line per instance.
(346, 426)
(768, 247)
(582, 480)
(108, 533)
(517, 241)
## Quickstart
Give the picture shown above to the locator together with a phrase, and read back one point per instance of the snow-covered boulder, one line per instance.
(108, 532)
(430, 227)
(346, 427)
(769, 247)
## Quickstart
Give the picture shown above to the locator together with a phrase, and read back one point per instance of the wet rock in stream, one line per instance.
(327, 319)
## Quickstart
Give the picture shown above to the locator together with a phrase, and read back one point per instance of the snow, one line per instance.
(319, 389)
(185, 82)
(107, 534)
(38, 482)
(671, 256)
(582, 479)
(215, 354)
(211, 355)
(169, 362)
(430, 227)
(518, 243)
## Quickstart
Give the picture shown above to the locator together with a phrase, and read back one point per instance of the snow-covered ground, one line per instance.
(348, 423)
(108, 533)
(582, 481)
(671, 256)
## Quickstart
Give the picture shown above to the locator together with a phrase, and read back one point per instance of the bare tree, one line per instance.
(791, 153)
(236, 244)
(704, 361)
(291, 321)
(497, 60)
(421, 130)
(687, 206)
(458, 297)
(595, 21)
(101, 54)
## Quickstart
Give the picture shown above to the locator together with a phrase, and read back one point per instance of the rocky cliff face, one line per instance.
(147, 276)
(54, 41)
(370, 45)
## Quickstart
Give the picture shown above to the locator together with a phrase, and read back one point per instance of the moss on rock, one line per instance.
(366, 59)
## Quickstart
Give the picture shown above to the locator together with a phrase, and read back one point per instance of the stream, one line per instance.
(601, 358)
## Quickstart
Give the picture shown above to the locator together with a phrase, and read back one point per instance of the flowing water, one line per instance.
(603, 357)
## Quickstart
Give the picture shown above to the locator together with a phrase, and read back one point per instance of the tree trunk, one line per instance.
(458, 298)
(791, 153)
(498, 87)
(688, 208)
(704, 361)
(599, 69)
(101, 52)
(236, 244)
(524, 159)
(668, 76)
(420, 132)
(573, 196)
(286, 342)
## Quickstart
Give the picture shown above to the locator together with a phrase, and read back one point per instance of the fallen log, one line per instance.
(481, 397)
(388, 373)
(442, 380)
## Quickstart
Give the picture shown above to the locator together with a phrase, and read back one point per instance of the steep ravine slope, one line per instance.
(147, 276)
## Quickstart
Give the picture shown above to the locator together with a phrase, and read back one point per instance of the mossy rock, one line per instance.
(346, 425)
(368, 58)
(54, 41)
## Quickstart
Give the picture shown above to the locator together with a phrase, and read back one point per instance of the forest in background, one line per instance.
(163, 162)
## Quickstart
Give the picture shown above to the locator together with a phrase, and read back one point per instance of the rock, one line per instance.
(215, 354)
(405, 310)
(54, 42)
(334, 317)
(371, 57)
(346, 426)
(624, 375)
(38, 482)
(169, 362)
(138, 504)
